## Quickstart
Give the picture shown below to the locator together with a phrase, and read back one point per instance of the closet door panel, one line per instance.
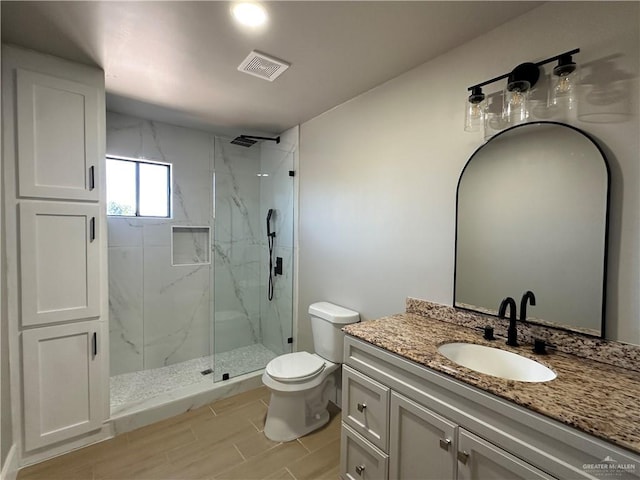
(57, 137)
(61, 382)
(59, 260)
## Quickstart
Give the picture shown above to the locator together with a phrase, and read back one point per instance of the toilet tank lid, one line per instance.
(333, 313)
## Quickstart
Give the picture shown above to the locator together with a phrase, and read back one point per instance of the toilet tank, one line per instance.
(327, 321)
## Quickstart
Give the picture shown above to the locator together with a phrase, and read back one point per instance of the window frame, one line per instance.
(137, 162)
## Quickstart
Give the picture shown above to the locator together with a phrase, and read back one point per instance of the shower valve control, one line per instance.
(278, 268)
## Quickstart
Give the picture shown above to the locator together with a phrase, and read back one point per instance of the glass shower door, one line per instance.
(249, 328)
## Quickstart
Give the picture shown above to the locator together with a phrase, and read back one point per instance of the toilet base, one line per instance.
(294, 414)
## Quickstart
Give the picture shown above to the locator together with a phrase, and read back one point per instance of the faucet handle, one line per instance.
(488, 333)
(540, 346)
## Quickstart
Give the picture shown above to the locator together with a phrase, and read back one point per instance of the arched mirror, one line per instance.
(532, 209)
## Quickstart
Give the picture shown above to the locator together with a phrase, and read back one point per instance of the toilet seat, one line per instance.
(295, 367)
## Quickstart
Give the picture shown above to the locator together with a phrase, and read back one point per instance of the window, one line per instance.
(138, 188)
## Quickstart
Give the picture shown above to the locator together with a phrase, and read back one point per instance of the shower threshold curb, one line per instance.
(133, 415)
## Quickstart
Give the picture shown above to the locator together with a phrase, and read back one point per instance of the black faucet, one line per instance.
(528, 295)
(512, 331)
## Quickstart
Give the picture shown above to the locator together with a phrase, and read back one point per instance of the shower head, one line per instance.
(249, 140)
(243, 142)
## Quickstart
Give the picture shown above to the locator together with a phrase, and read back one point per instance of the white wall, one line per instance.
(378, 174)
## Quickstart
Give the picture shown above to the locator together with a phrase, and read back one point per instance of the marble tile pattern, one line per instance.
(163, 314)
(595, 397)
(160, 314)
(614, 353)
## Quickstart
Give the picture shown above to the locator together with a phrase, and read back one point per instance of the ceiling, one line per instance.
(177, 61)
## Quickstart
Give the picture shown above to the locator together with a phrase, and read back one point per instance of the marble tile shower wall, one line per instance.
(237, 241)
(159, 314)
(243, 314)
(162, 314)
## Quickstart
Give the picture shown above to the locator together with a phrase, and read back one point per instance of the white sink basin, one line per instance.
(496, 362)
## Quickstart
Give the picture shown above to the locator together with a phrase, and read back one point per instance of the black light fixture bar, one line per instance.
(537, 64)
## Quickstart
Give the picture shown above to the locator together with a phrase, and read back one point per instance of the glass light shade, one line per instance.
(516, 102)
(564, 92)
(474, 116)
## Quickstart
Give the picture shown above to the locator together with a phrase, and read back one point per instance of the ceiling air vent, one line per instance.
(263, 66)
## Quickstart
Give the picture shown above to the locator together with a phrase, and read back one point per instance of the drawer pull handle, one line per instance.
(359, 469)
(361, 407)
(463, 457)
(444, 443)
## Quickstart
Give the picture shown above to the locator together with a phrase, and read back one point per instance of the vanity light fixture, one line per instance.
(563, 93)
(520, 82)
(474, 113)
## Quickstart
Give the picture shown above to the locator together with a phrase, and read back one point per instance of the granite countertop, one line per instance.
(600, 399)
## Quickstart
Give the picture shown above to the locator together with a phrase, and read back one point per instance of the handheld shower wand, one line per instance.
(270, 238)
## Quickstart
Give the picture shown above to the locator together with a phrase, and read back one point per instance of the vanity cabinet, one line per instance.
(360, 459)
(441, 428)
(367, 407)
(479, 459)
(53, 115)
(423, 443)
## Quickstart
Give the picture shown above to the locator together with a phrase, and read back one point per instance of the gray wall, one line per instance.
(378, 174)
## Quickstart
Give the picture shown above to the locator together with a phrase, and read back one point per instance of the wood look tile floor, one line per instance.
(223, 440)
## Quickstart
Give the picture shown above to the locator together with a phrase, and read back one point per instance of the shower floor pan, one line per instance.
(138, 387)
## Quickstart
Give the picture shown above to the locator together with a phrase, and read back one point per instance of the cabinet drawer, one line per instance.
(365, 407)
(359, 459)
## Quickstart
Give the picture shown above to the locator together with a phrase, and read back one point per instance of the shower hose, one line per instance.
(270, 239)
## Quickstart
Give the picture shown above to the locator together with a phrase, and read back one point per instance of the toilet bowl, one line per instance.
(302, 383)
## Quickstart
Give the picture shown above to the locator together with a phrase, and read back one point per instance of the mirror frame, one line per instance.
(561, 327)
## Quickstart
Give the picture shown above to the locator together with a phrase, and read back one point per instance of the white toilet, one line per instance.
(302, 383)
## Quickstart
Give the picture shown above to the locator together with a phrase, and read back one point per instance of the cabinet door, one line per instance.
(57, 134)
(61, 374)
(59, 262)
(422, 443)
(365, 406)
(359, 459)
(481, 460)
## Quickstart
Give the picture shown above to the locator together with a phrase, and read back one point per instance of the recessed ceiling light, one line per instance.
(249, 14)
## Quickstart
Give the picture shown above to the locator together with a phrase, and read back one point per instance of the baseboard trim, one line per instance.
(10, 466)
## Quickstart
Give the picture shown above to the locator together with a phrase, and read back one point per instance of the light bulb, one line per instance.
(475, 111)
(564, 85)
(517, 98)
(516, 105)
